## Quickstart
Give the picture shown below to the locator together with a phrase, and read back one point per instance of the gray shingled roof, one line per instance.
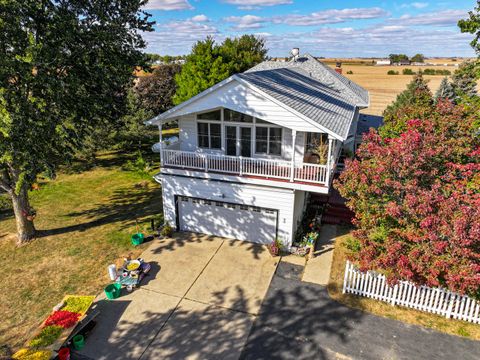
(323, 73)
(306, 95)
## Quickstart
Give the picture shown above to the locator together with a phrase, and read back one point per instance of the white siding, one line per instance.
(237, 97)
(298, 208)
(265, 197)
(188, 139)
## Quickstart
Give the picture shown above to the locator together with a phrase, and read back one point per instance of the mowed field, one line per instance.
(384, 88)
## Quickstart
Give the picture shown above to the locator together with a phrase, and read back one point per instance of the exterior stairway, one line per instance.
(335, 212)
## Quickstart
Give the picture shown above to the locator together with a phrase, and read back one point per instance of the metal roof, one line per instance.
(323, 73)
(299, 91)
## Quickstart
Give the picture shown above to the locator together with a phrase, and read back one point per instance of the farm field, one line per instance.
(384, 88)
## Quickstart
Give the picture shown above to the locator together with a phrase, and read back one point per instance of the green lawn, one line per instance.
(86, 220)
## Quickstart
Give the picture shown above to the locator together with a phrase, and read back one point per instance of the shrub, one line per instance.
(350, 72)
(392, 72)
(139, 166)
(443, 72)
(416, 200)
(167, 230)
(429, 72)
(408, 72)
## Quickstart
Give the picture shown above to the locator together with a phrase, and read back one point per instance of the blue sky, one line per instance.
(323, 28)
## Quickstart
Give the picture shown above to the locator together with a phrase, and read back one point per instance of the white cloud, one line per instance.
(439, 18)
(168, 5)
(200, 18)
(177, 37)
(256, 4)
(419, 5)
(427, 33)
(246, 22)
(416, 5)
(378, 41)
(332, 16)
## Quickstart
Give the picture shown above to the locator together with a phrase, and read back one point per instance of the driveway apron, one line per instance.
(200, 302)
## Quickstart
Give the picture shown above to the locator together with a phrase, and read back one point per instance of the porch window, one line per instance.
(210, 115)
(314, 139)
(235, 116)
(268, 140)
(209, 135)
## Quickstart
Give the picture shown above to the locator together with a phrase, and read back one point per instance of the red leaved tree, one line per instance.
(416, 199)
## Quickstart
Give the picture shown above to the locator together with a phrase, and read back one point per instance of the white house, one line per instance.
(244, 164)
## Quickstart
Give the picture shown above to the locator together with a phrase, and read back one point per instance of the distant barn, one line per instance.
(383, 62)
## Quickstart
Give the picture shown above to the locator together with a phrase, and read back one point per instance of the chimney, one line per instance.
(338, 67)
(295, 52)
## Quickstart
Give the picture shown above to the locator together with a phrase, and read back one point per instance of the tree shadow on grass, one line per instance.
(123, 207)
(6, 214)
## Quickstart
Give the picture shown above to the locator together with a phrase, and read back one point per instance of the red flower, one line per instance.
(62, 318)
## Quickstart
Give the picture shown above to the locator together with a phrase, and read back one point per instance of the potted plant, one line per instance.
(274, 247)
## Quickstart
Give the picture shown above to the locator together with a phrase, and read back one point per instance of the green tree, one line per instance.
(464, 79)
(445, 91)
(65, 66)
(242, 53)
(420, 58)
(472, 26)
(414, 102)
(204, 67)
(155, 92)
(394, 58)
(210, 63)
(131, 131)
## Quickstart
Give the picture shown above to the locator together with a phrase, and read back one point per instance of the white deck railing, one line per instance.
(243, 166)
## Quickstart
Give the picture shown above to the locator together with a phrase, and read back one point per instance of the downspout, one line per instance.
(329, 163)
(160, 144)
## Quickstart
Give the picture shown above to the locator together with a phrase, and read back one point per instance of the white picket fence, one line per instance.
(434, 300)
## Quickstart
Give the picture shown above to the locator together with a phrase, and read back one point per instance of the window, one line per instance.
(235, 116)
(261, 140)
(268, 140)
(275, 141)
(211, 115)
(314, 140)
(209, 135)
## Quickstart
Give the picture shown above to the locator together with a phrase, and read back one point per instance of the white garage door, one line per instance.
(227, 220)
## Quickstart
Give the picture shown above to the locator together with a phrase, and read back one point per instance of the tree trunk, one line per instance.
(23, 216)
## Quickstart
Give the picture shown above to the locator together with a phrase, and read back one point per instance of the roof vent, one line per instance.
(295, 53)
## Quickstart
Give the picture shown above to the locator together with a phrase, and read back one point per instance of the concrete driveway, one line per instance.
(199, 302)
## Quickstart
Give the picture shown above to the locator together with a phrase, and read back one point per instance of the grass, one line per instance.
(86, 220)
(436, 322)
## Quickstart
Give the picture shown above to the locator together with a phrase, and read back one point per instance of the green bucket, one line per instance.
(137, 239)
(78, 342)
(113, 290)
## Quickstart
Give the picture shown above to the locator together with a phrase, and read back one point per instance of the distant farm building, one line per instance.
(383, 62)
